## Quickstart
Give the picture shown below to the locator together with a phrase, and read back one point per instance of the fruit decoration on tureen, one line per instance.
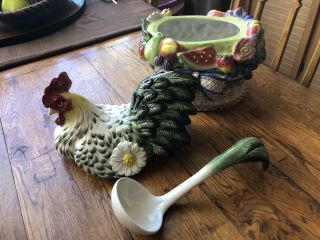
(232, 58)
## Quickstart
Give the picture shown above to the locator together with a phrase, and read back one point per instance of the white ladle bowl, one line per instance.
(135, 207)
(140, 211)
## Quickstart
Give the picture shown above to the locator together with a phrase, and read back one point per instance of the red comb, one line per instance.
(59, 85)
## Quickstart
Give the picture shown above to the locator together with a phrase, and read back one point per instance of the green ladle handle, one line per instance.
(249, 149)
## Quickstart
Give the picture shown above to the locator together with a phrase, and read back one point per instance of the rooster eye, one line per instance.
(60, 104)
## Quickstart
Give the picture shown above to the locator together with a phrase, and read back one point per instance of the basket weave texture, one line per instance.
(233, 94)
(217, 90)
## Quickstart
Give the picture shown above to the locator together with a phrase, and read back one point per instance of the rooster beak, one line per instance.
(51, 111)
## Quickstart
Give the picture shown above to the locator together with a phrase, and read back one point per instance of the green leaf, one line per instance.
(136, 100)
(165, 96)
(163, 141)
(136, 137)
(184, 107)
(149, 95)
(145, 124)
(140, 113)
(181, 79)
(159, 79)
(182, 93)
(160, 85)
(170, 124)
(146, 133)
(179, 136)
(146, 83)
(175, 115)
(159, 150)
(154, 108)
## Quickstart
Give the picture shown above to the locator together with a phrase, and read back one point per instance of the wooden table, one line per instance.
(45, 197)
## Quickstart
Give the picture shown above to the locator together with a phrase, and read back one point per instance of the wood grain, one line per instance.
(234, 4)
(152, 2)
(29, 67)
(59, 201)
(286, 107)
(200, 223)
(275, 220)
(293, 100)
(315, 83)
(11, 223)
(259, 9)
(55, 200)
(247, 6)
(278, 54)
(314, 12)
(275, 14)
(311, 67)
(243, 192)
(295, 110)
(222, 126)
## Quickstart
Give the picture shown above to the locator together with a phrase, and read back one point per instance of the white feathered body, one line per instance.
(91, 133)
(117, 140)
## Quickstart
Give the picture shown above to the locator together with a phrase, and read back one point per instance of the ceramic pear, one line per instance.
(13, 5)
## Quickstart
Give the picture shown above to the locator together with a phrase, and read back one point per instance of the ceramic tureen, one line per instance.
(222, 49)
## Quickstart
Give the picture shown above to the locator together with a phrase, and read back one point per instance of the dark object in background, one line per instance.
(32, 14)
(168, 3)
(176, 6)
(196, 7)
(86, 31)
(11, 34)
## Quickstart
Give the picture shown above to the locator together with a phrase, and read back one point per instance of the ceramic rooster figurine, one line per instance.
(117, 140)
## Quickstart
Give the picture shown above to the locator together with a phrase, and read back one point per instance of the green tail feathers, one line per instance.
(160, 111)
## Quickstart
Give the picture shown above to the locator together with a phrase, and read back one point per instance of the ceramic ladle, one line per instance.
(140, 211)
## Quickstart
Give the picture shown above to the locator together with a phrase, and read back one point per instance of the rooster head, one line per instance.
(55, 99)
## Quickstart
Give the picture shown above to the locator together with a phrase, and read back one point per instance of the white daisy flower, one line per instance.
(128, 158)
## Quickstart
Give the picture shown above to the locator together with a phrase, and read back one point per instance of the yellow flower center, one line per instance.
(128, 159)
